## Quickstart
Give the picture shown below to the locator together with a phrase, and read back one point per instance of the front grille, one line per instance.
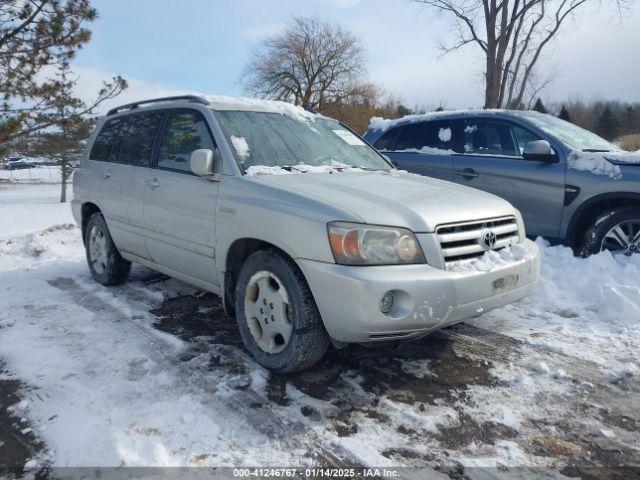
(462, 241)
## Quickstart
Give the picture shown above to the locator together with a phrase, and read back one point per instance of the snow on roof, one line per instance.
(220, 102)
(384, 124)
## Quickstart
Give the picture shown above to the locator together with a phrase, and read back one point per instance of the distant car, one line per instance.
(571, 185)
(309, 235)
(17, 163)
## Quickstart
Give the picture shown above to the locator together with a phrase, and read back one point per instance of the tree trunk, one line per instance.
(64, 170)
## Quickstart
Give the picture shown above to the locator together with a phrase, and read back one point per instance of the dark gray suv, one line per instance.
(571, 185)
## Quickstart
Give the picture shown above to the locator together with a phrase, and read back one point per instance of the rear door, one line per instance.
(136, 152)
(492, 161)
(104, 160)
(179, 206)
(425, 148)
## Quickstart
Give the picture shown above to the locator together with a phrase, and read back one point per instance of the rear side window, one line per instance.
(439, 135)
(185, 132)
(108, 142)
(138, 144)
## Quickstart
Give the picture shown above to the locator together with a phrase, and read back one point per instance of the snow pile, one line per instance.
(491, 259)
(603, 286)
(444, 134)
(384, 124)
(49, 245)
(334, 167)
(240, 145)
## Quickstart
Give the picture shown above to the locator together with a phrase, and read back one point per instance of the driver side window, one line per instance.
(521, 137)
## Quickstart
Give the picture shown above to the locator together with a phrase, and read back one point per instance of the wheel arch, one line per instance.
(590, 209)
(237, 253)
(87, 209)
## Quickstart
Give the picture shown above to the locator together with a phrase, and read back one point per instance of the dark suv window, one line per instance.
(107, 144)
(439, 134)
(138, 144)
(185, 132)
(485, 137)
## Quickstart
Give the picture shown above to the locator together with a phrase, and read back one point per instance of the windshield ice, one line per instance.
(275, 140)
(571, 134)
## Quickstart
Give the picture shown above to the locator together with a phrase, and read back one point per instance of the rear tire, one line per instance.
(277, 316)
(617, 231)
(105, 262)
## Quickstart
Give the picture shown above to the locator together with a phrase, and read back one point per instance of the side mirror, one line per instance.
(201, 162)
(539, 151)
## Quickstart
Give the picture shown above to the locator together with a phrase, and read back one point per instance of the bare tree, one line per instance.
(311, 63)
(512, 35)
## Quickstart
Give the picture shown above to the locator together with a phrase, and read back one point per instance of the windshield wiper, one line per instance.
(595, 150)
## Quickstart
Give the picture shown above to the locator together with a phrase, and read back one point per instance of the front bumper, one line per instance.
(427, 298)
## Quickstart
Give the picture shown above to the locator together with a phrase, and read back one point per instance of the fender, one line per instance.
(584, 207)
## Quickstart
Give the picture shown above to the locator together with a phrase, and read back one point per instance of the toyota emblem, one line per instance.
(487, 239)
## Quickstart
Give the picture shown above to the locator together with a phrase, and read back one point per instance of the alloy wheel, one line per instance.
(623, 239)
(268, 312)
(98, 249)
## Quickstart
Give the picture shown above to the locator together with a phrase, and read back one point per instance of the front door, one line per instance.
(179, 206)
(493, 162)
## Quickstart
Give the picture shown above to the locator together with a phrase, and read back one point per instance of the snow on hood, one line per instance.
(396, 197)
(334, 167)
(602, 163)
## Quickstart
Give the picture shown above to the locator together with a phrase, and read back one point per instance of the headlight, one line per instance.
(360, 244)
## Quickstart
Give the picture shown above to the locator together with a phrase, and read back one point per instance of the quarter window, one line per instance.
(138, 144)
(185, 132)
(108, 142)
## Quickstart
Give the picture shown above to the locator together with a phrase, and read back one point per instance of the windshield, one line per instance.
(571, 134)
(277, 140)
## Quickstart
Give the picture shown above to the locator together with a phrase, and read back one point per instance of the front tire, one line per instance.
(277, 316)
(617, 231)
(105, 262)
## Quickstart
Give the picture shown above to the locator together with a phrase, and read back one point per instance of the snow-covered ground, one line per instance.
(39, 174)
(153, 373)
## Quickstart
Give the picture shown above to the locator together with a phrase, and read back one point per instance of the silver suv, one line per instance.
(307, 233)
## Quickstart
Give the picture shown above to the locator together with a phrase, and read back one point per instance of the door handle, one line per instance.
(467, 173)
(152, 183)
(107, 174)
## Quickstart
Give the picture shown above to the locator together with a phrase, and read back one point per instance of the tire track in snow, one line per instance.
(233, 403)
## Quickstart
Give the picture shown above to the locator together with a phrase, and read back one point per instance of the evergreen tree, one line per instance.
(564, 114)
(607, 124)
(38, 39)
(539, 106)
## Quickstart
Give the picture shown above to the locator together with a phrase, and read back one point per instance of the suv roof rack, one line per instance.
(134, 105)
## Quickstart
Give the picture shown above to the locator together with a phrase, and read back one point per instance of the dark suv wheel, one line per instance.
(277, 316)
(105, 262)
(617, 231)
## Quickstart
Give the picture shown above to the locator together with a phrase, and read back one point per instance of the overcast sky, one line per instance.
(166, 46)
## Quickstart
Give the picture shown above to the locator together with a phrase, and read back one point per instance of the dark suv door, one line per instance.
(422, 147)
(492, 161)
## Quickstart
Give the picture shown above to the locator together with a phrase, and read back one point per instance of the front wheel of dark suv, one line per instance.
(617, 231)
(105, 262)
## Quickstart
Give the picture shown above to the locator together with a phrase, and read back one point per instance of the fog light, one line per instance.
(387, 302)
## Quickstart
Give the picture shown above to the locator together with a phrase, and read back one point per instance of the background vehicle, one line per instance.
(307, 233)
(569, 184)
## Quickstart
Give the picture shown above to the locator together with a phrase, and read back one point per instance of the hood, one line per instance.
(623, 158)
(395, 199)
